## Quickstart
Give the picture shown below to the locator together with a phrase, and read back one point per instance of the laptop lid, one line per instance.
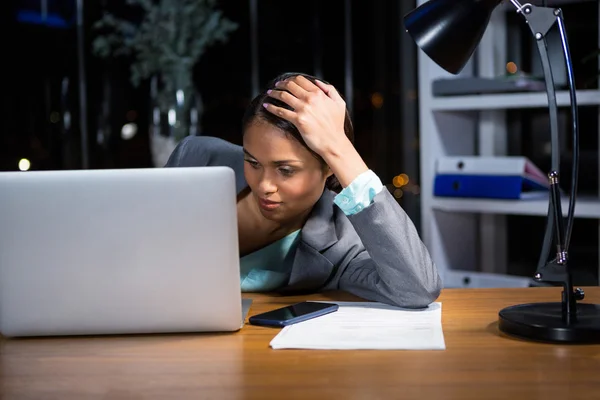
(119, 251)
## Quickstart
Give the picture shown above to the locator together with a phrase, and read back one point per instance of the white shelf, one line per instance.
(585, 207)
(471, 279)
(512, 100)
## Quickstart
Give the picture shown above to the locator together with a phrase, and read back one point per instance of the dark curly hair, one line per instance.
(256, 111)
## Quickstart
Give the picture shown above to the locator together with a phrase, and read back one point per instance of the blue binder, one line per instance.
(486, 186)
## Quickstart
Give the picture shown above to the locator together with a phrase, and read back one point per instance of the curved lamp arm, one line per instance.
(540, 20)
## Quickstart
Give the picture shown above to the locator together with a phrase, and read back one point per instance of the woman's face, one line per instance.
(285, 178)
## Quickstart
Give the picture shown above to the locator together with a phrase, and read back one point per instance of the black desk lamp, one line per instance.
(448, 31)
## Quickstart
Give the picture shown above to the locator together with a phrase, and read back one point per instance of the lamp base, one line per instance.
(543, 322)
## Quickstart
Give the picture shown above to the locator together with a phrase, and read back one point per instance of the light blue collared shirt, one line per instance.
(359, 194)
(269, 268)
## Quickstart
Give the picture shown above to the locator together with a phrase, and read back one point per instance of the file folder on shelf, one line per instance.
(510, 177)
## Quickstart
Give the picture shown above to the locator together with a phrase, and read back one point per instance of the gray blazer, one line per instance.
(375, 254)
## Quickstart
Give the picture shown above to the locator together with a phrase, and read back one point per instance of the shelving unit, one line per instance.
(512, 100)
(468, 237)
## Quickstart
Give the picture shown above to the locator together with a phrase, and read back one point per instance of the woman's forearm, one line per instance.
(345, 162)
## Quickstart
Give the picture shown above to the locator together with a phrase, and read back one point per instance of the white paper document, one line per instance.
(365, 325)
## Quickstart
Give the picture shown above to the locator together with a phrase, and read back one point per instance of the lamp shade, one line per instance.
(448, 31)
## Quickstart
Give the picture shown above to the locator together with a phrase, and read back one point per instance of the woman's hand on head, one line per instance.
(318, 112)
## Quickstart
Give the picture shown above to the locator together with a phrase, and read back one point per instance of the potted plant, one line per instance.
(164, 46)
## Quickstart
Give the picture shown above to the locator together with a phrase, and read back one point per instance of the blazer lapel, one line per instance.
(311, 269)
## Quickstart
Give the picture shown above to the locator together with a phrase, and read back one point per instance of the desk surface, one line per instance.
(479, 363)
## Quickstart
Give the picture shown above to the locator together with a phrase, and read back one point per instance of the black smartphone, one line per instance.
(293, 314)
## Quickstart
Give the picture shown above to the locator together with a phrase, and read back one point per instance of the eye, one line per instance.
(286, 171)
(253, 163)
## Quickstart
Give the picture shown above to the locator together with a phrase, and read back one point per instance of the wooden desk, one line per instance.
(479, 362)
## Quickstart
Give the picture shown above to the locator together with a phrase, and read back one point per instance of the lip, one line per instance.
(268, 205)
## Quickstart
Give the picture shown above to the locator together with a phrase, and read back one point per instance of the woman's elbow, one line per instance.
(422, 294)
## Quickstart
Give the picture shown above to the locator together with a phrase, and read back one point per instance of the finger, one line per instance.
(304, 83)
(280, 112)
(285, 97)
(323, 86)
(329, 90)
(295, 89)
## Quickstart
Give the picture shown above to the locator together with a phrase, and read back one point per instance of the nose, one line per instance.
(267, 184)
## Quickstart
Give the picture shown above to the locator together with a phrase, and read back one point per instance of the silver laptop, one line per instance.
(130, 251)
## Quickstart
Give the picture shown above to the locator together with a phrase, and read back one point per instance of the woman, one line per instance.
(296, 233)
